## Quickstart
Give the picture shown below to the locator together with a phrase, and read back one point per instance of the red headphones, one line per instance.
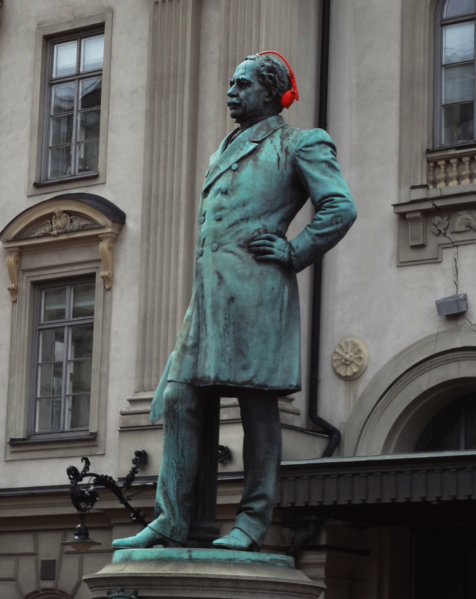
(291, 94)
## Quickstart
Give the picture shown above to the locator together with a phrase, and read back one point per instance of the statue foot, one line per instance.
(236, 540)
(145, 539)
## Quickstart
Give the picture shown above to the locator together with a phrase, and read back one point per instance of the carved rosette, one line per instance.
(350, 358)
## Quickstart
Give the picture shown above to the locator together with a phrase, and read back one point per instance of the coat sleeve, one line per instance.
(316, 165)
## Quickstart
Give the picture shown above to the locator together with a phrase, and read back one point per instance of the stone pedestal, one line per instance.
(200, 573)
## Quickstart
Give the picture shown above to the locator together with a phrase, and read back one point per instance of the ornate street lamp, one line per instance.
(84, 499)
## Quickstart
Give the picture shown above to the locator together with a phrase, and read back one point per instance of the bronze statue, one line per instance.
(241, 334)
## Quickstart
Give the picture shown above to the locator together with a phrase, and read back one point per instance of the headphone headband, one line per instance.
(290, 95)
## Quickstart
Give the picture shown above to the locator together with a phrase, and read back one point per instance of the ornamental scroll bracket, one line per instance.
(106, 251)
(13, 264)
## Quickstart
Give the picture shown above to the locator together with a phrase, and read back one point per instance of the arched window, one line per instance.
(453, 429)
(455, 80)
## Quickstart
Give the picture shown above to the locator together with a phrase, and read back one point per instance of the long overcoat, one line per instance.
(242, 328)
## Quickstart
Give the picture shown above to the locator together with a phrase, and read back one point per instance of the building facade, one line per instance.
(109, 113)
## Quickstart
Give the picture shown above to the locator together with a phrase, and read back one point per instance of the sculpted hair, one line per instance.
(272, 73)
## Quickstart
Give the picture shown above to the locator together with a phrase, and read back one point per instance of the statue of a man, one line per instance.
(241, 334)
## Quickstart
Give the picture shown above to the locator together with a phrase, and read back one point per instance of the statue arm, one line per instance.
(316, 165)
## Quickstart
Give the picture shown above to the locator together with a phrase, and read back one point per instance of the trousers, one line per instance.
(262, 445)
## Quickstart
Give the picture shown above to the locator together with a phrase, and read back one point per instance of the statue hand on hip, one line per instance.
(269, 247)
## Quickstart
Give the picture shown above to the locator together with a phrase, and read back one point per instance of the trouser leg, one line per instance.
(261, 458)
(183, 419)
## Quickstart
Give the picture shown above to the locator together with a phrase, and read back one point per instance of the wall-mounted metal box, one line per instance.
(455, 304)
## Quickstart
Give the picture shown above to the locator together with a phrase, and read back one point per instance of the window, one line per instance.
(453, 429)
(63, 356)
(70, 104)
(455, 79)
(73, 106)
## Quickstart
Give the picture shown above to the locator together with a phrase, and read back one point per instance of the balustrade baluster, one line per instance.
(454, 172)
(442, 176)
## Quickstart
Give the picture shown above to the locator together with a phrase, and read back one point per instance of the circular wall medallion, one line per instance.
(350, 358)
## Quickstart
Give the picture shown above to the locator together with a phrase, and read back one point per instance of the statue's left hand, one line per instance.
(269, 247)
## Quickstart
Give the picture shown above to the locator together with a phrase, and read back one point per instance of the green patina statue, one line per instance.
(241, 334)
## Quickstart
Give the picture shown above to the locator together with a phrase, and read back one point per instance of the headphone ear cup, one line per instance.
(287, 99)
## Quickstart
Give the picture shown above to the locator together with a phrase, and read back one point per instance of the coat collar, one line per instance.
(248, 141)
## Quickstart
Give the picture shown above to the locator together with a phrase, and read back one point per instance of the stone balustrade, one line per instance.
(448, 168)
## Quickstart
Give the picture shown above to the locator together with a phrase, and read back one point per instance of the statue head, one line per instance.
(257, 87)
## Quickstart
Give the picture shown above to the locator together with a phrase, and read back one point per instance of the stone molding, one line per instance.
(62, 222)
(378, 480)
(427, 226)
(395, 406)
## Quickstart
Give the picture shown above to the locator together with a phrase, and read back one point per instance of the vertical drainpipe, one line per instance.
(326, 427)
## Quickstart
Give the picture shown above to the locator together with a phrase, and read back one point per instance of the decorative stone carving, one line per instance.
(350, 358)
(66, 221)
(13, 264)
(62, 222)
(106, 251)
(416, 228)
(461, 222)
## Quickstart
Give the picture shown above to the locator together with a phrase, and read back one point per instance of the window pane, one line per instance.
(458, 123)
(77, 411)
(458, 83)
(447, 434)
(59, 162)
(62, 99)
(81, 342)
(90, 93)
(50, 378)
(79, 376)
(52, 345)
(88, 123)
(454, 8)
(83, 300)
(48, 415)
(61, 130)
(88, 157)
(64, 59)
(92, 52)
(53, 304)
(458, 42)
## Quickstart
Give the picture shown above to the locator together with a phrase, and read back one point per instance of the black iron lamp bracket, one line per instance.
(84, 498)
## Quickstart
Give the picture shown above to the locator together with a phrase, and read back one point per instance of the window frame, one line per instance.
(46, 35)
(37, 327)
(50, 81)
(440, 23)
(461, 405)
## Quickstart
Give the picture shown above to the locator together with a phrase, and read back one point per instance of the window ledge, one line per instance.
(54, 438)
(51, 446)
(49, 182)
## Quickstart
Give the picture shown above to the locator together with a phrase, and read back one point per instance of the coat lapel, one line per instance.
(246, 143)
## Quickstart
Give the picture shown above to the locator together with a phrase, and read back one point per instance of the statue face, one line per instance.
(247, 98)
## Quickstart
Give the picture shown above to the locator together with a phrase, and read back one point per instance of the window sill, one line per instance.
(53, 446)
(55, 185)
(65, 180)
(53, 437)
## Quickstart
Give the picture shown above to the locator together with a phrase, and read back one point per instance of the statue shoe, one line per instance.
(236, 540)
(145, 539)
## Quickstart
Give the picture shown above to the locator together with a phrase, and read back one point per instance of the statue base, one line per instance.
(200, 573)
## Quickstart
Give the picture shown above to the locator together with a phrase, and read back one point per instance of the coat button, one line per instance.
(218, 216)
(200, 252)
(205, 194)
(234, 166)
(214, 247)
(201, 220)
(224, 189)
